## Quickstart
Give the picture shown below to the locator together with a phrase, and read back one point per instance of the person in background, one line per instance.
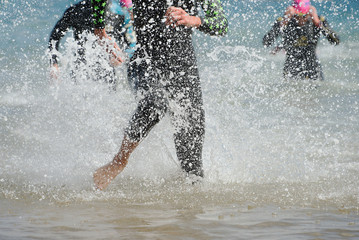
(125, 8)
(300, 30)
(79, 19)
(166, 78)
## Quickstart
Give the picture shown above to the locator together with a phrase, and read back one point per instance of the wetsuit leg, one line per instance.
(187, 115)
(304, 65)
(105, 75)
(180, 94)
(292, 67)
(314, 69)
(152, 105)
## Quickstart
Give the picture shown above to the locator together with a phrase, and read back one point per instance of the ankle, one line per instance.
(118, 161)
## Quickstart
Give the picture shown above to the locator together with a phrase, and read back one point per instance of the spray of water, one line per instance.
(267, 140)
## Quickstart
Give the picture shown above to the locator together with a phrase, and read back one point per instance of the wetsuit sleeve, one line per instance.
(214, 22)
(332, 36)
(58, 32)
(273, 34)
(125, 9)
(130, 34)
(98, 13)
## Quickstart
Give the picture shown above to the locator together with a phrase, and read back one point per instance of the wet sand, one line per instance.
(169, 215)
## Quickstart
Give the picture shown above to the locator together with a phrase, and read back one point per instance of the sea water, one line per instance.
(281, 158)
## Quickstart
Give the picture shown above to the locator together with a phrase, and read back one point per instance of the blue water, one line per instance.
(268, 142)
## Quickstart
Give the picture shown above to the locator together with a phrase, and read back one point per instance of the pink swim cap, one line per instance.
(302, 6)
(126, 3)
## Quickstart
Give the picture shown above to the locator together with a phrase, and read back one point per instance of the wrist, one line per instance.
(100, 32)
(197, 21)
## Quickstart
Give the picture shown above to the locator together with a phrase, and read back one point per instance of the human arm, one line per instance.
(57, 33)
(130, 34)
(332, 36)
(123, 30)
(54, 72)
(289, 13)
(113, 50)
(176, 16)
(131, 39)
(314, 16)
(213, 23)
(98, 14)
(273, 34)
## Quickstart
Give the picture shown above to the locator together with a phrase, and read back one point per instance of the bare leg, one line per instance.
(104, 175)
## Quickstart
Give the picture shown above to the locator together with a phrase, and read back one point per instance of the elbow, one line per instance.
(214, 27)
(336, 42)
(224, 28)
(265, 43)
(268, 40)
(334, 39)
(221, 29)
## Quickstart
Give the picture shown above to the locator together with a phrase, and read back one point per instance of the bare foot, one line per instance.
(105, 174)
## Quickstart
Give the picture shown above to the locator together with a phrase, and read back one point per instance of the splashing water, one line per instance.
(268, 141)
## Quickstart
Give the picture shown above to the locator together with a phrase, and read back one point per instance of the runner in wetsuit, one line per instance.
(300, 30)
(166, 77)
(79, 18)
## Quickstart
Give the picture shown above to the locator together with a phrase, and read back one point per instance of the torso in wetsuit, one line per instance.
(165, 71)
(300, 43)
(79, 18)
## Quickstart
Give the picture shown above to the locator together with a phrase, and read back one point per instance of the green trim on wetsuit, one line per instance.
(214, 22)
(99, 9)
(78, 18)
(165, 76)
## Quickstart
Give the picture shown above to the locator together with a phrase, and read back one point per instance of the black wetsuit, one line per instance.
(300, 43)
(165, 74)
(79, 18)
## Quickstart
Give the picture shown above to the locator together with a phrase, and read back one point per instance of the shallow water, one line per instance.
(135, 209)
(281, 158)
(104, 220)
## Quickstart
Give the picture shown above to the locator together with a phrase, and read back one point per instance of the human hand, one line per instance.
(176, 16)
(54, 72)
(101, 33)
(276, 50)
(115, 58)
(111, 47)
